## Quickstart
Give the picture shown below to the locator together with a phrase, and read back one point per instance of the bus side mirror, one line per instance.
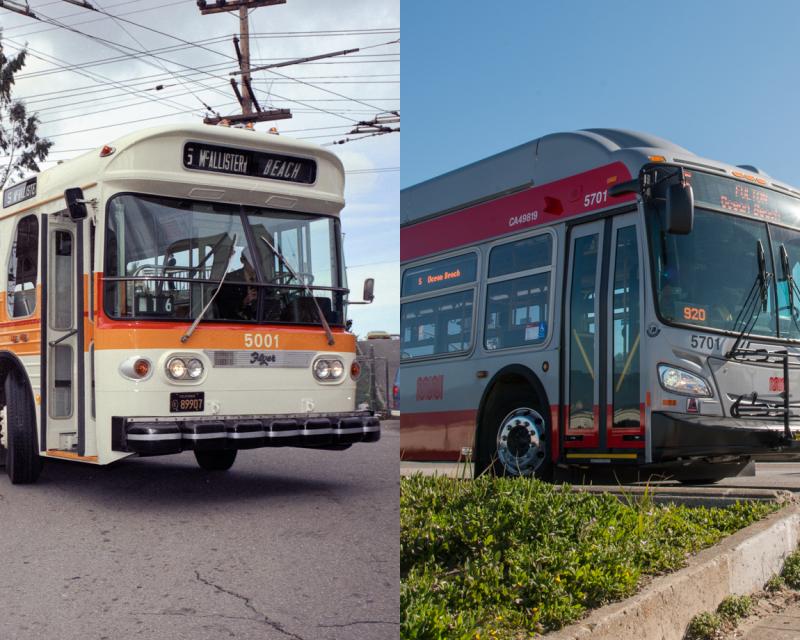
(369, 289)
(75, 203)
(680, 209)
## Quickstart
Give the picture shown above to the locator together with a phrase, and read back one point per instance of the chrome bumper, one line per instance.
(165, 435)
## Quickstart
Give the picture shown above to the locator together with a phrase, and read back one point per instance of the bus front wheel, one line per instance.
(216, 460)
(514, 439)
(23, 463)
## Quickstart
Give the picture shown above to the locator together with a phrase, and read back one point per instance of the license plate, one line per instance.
(182, 402)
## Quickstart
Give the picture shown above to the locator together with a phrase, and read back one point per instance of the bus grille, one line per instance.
(260, 359)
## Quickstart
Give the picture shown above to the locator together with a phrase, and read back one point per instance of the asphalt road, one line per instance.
(290, 543)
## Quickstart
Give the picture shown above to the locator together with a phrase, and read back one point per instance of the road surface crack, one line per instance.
(355, 622)
(277, 626)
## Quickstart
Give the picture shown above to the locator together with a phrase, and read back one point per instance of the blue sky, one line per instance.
(719, 78)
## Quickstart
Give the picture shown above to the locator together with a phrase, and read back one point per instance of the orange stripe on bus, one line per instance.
(69, 455)
(112, 335)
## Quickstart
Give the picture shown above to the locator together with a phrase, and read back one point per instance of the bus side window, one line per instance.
(518, 294)
(23, 269)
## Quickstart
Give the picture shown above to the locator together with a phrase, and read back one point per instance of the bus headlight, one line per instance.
(328, 369)
(176, 368)
(682, 382)
(194, 368)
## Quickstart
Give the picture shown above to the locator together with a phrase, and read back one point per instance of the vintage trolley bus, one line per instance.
(180, 288)
(595, 298)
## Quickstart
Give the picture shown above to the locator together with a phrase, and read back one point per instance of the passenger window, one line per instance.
(438, 325)
(23, 269)
(518, 296)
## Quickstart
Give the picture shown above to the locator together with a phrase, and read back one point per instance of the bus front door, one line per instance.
(603, 412)
(64, 358)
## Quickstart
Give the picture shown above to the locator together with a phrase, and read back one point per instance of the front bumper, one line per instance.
(676, 435)
(165, 435)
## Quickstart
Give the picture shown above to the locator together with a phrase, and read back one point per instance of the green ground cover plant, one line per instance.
(510, 558)
(791, 570)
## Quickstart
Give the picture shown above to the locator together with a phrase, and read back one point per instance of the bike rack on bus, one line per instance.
(767, 409)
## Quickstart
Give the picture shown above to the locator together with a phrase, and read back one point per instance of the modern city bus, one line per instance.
(181, 288)
(600, 298)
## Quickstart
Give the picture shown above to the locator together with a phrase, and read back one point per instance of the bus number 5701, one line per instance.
(261, 341)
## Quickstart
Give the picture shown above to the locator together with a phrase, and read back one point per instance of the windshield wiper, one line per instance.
(754, 304)
(197, 320)
(322, 320)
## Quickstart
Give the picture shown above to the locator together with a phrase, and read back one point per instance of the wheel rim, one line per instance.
(520, 442)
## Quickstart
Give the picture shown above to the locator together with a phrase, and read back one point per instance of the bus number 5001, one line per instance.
(261, 341)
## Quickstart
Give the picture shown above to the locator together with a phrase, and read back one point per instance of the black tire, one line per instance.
(23, 463)
(499, 408)
(216, 460)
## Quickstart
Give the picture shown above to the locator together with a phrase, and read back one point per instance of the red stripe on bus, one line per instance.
(578, 194)
(436, 435)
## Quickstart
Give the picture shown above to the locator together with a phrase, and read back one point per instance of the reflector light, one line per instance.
(355, 370)
(106, 151)
(656, 158)
(611, 180)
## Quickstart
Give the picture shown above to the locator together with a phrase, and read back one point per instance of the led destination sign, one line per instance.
(440, 274)
(244, 162)
(19, 192)
(745, 199)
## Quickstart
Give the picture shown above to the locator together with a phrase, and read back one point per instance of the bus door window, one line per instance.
(583, 332)
(626, 336)
(23, 269)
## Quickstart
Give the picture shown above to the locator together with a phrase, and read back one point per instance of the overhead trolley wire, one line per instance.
(214, 51)
(92, 75)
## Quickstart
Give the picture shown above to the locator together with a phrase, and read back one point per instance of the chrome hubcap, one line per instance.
(520, 442)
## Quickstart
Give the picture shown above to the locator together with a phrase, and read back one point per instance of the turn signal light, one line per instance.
(141, 368)
(355, 370)
(106, 151)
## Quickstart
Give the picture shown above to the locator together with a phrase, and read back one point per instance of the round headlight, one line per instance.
(337, 369)
(194, 368)
(322, 369)
(176, 368)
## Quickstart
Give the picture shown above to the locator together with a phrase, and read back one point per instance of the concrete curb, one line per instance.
(740, 564)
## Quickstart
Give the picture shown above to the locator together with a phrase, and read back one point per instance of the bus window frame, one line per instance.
(486, 281)
(337, 233)
(474, 285)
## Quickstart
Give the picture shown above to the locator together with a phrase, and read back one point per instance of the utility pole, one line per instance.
(246, 96)
(244, 60)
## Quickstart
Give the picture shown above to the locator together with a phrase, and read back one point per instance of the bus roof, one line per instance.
(141, 156)
(547, 159)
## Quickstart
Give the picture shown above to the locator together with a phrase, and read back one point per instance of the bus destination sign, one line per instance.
(19, 192)
(244, 162)
(745, 199)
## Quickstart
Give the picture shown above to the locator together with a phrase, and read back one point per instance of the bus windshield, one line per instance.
(165, 258)
(703, 278)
